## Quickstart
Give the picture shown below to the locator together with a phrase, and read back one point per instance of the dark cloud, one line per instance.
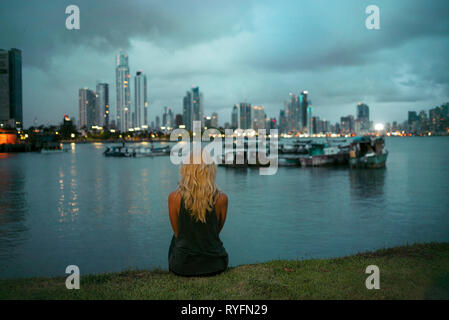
(39, 27)
(255, 51)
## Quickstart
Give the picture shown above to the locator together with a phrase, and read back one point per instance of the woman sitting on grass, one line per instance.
(197, 212)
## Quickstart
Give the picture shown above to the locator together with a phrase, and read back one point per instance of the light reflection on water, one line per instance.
(109, 214)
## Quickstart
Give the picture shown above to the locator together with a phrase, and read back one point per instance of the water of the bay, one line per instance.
(110, 214)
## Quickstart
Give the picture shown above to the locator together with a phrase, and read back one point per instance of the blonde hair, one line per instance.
(197, 186)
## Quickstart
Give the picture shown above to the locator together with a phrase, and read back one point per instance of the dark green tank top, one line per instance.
(198, 249)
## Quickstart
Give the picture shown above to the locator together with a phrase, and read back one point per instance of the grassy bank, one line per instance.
(420, 271)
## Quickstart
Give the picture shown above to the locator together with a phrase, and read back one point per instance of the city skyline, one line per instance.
(253, 52)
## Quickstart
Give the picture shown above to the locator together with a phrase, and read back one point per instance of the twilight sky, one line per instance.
(254, 51)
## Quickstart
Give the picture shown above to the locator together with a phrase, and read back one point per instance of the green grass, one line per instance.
(420, 271)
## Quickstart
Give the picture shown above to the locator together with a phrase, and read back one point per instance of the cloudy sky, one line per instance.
(254, 51)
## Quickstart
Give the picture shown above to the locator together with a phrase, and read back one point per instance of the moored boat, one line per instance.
(136, 151)
(368, 153)
(50, 148)
(321, 154)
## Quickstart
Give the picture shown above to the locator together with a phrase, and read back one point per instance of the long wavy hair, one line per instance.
(197, 186)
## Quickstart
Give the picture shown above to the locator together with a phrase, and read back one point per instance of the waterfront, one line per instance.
(109, 214)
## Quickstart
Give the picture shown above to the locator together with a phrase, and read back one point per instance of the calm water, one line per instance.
(106, 214)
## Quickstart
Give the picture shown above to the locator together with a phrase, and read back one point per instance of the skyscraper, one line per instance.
(245, 116)
(207, 122)
(102, 105)
(214, 120)
(165, 118)
(4, 88)
(309, 118)
(11, 88)
(363, 118)
(293, 113)
(258, 118)
(140, 100)
(170, 119)
(122, 78)
(304, 104)
(197, 104)
(235, 117)
(193, 106)
(187, 110)
(178, 120)
(282, 122)
(87, 108)
(347, 125)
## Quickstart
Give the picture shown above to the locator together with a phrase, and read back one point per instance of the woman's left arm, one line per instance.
(174, 204)
(222, 209)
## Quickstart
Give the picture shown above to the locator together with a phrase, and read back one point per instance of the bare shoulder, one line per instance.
(222, 199)
(174, 196)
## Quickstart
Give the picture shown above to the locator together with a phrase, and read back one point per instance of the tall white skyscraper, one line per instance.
(140, 100)
(122, 78)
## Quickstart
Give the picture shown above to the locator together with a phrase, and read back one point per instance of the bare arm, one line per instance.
(221, 207)
(174, 204)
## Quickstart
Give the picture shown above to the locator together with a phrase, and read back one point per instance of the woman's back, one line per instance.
(197, 248)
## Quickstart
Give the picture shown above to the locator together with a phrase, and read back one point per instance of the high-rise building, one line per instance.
(245, 116)
(412, 116)
(158, 123)
(170, 118)
(178, 120)
(214, 120)
(258, 118)
(270, 123)
(207, 122)
(304, 105)
(235, 117)
(293, 113)
(282, 122)
(4, 88)
(187, 110)
(347, 124)
(87, 108)
(140, 100)
(193, 106)
(11, 88)
(165, 117)
(363, 118)
(102, 105)
(197, 105)
(122, 78)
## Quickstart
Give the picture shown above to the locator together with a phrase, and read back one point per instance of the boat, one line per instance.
(161, 151)
(230, 159)
(51, 148)
(117, 151)
(136, 151)
(323, 154)
(294, 148)
(289, 160)
(367, 152)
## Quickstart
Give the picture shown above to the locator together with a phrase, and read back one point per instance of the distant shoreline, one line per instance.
(293, 138)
